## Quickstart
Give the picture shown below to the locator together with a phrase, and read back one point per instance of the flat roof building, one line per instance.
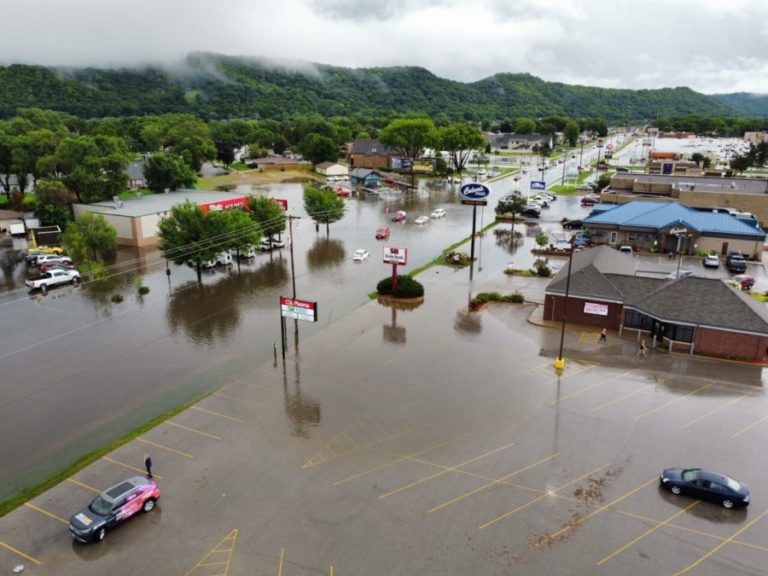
(136, 219)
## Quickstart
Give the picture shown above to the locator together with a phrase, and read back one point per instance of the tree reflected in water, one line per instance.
(392, 333)
(509, 240)
(210, 312)
(467, 322)
(325, 252)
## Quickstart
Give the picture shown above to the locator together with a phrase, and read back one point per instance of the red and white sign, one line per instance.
(394, 255)
(226, 204)
(298, 309)
(282, 201)
(596, 309)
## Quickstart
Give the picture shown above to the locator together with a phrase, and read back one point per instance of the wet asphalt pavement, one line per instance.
(422, 440)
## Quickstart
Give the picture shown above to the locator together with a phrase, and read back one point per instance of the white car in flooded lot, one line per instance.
(437, 213)
(360, 255)
(421, 220)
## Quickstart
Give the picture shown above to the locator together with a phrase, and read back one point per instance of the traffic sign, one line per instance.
(538, 185)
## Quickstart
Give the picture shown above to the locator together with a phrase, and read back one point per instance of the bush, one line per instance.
(143, 290)
(117, 298)
(455, 258)
(407, 287)
(483, 297)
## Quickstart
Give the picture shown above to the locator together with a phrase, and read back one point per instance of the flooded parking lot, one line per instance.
(455, 445)
(390, 441)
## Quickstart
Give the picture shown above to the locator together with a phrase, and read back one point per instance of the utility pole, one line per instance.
(293, 283)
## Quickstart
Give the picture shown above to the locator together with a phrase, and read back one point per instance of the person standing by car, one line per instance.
(148, 465)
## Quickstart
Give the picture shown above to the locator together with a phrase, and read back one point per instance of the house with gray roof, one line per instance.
(672, 227)
(696, 315)
(369, 153)
(511, 141)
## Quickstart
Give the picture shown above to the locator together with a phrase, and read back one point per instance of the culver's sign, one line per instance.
(474, 193)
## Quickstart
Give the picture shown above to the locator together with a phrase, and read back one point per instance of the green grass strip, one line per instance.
(28, 494)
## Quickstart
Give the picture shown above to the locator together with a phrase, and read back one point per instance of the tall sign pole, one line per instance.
(473, 194)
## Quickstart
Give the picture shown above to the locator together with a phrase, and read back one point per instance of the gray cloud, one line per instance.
(709, 45)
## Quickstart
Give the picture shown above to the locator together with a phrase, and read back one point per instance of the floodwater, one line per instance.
(79, 370)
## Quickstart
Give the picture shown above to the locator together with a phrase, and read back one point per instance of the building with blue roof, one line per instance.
(671, 226)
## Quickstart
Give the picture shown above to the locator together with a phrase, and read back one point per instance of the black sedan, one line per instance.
(706, 485)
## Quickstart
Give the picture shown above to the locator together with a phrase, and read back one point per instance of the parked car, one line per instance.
(221, 259)
(113, 506)
(421, 220)
(43, 258)
(437, 213)
(626, 250)
(51, 264)
(532, 210)
(706, 485)
(267, 244)
(711, 261)
(360, 255)
(247, 252)
(589, 201)
(399, 216)
(744, 280)
(382, 233)
(573, 224)
(52, 278)
(736, 263)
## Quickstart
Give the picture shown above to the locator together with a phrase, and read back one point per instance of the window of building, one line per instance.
(637, 320)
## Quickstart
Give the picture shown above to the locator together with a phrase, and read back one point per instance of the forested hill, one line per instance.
(214, 86)
(744, 103)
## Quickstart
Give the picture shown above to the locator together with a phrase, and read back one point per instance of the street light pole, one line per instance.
(560, 362)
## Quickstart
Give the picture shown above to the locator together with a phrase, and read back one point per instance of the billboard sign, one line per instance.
(226, 204)
(596, 309)
(298, 309)
(394, 255)
(538, 185)
(282, 201)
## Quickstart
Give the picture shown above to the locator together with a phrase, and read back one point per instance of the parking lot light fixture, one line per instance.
(560, 361)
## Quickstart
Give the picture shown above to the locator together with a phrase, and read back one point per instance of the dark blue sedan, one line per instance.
(706, 485)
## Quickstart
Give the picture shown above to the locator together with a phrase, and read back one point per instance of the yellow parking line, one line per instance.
(489, 484)
(83, 485)
(280, 565)
(540, 498)
(444, 471)
(647, 532)
(620, 398)
(602, 508)
(124, 465)
(760, 421)
(715, 411)
(679, 399)
(20, 553)
(188, 429)
(716, 548)
(49, 514)
(168, 448)
(603, 383)
(399, 459)
(206, 411)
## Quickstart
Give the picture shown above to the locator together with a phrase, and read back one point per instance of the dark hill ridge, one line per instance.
(214, 86)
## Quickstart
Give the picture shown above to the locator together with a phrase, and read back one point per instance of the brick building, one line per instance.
(696, 315)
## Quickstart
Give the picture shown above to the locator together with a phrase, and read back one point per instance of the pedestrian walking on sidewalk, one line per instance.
(603, 335)
(148, 465)
(643, 351)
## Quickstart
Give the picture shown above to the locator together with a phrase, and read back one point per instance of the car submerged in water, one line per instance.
(112, 507)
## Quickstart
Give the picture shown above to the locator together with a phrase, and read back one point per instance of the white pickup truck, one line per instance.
(53, 278)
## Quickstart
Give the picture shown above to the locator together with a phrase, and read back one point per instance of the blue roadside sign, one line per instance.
(474, 191)
(538, 185)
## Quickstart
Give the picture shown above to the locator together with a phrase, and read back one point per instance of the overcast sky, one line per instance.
(712, 46)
